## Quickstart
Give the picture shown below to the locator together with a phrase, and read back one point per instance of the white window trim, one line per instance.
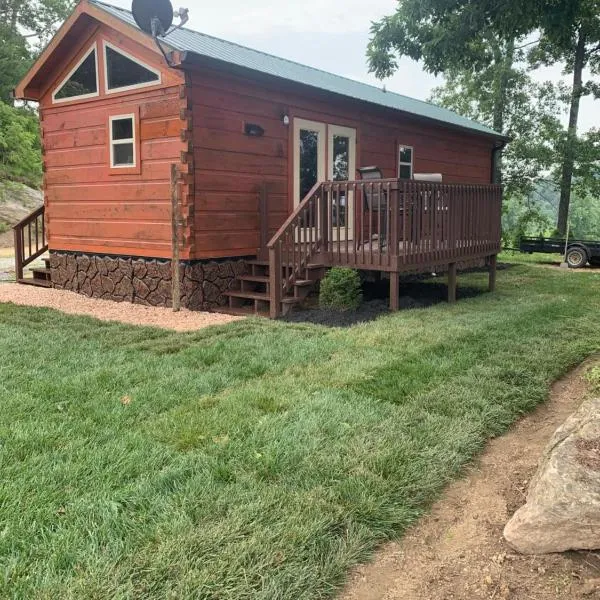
(123, 141)
(404, 164)
(126, 88)
(55, 100)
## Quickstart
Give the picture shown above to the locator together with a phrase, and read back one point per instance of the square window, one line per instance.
(122, 129)
(405, 155)
(123, 155)
(405, 172)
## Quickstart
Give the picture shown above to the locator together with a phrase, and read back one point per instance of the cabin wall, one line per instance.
(91, 208)
(229, 166)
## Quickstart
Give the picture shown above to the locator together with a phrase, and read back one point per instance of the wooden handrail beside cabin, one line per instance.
(387, 225)
(30, 240)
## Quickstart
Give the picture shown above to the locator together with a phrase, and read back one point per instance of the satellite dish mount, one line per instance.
(155, 17)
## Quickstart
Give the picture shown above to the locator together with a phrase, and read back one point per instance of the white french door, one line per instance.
(341, 166)
(326, 152)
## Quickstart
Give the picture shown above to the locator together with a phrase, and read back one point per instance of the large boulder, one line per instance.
(563, 503)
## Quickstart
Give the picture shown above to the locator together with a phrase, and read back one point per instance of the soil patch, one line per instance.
(457, 550)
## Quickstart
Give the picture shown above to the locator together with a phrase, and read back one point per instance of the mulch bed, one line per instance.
(414, 293)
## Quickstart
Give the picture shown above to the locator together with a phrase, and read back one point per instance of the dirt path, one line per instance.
(107, 310)
(457, 551)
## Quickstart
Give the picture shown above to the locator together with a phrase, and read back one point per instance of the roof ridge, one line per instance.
(293, 62)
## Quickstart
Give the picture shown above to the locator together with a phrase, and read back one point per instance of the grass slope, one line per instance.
(257, 460)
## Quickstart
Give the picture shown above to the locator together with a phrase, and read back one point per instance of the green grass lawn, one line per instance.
(259, 459)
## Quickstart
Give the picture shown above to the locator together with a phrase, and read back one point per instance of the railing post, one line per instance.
(394, 241)
(263, 216)
(323, 220)
(275, 281)
(17, 231)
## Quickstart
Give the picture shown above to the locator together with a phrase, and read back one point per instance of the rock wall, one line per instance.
(145, 281)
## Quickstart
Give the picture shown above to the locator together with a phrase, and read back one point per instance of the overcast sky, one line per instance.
(327, 34)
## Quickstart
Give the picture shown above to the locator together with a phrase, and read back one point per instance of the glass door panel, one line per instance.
(342, 167)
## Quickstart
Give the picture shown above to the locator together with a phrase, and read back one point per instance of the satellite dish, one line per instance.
(153, 16)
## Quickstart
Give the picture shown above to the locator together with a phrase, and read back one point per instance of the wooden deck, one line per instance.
(386, 225)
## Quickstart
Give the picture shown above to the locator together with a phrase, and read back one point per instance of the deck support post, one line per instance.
(492, 272)
(394, 290)
(274, 283)
(452, 283)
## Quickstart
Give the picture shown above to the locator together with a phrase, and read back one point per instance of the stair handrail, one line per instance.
(34, 244)
(283, 275)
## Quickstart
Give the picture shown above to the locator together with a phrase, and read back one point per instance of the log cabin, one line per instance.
(250, 173)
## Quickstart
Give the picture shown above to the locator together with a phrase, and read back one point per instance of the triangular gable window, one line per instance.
(124, 72)
(82, 81)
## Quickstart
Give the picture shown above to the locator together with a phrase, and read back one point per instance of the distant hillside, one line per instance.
(16, 202)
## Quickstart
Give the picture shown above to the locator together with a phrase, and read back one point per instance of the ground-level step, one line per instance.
(39, 282)
(248, 295)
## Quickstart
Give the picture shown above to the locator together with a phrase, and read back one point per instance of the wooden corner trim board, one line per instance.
(23, 91)
(187, 166)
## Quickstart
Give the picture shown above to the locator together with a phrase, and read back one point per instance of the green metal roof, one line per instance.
(187, 40)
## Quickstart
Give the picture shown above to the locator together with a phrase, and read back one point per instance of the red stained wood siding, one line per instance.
(91, 208)
(229, 166)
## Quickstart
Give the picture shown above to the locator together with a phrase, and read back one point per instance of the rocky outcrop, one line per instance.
(563, 503)
(145, 281)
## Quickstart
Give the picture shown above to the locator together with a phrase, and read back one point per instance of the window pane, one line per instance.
(122, 71)
(405, 172)
(405, 155)
(309, 148)
(123, 154)
(341, 153)
(122, 129)
(83, 80)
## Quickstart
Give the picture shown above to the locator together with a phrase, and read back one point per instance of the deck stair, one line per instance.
(252, 292)
(41, 276)
(30, 244)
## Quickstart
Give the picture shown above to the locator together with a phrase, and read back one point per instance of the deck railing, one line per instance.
(30, 240)
(385, 225)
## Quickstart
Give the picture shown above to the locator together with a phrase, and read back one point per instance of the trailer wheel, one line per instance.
(576, 258)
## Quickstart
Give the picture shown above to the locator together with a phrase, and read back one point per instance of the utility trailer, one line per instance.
(579, 252)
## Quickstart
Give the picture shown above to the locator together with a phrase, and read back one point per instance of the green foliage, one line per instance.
(476, 44)
(529, 113)
(25, 27)
(341, 289)
(20, 154)
(258, 460)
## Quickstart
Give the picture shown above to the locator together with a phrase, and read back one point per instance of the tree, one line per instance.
(25, 27)
(570, 34)
(460, 34)
(20, 154)
(529, 114)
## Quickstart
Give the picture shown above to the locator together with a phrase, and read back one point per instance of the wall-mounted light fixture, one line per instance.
(253, 130)
(285, 119)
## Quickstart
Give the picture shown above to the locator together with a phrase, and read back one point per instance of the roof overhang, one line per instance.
(84, 18)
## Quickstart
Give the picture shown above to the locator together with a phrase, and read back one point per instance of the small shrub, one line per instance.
(340, 289)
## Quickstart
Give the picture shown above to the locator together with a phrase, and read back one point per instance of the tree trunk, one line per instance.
(505, 61)
(569, 153)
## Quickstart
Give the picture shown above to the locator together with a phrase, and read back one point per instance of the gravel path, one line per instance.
(133, 314)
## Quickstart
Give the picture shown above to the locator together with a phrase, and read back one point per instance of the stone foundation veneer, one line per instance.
(144, 281)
